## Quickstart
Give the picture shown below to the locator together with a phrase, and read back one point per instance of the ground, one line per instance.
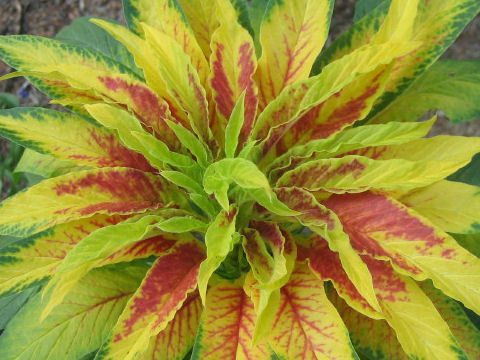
(47, 17)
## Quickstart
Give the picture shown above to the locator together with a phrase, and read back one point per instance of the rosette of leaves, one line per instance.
(218, 192)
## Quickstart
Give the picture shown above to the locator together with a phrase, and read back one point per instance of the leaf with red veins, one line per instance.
(233, 63)
(420, 329)
(351, 104)
(79, 195)
(177, 339)
(227, 325)
(386, 229)
(326, 264)
(163, 291)
(35, 258)
(306, 325)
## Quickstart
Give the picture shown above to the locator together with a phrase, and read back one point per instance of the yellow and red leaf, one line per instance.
(384, 228)
(372, 339)
(227, 326)
(451, 206)
(306, 325)
(292, 34)
(233, 64)
(177, 339)
(82, 142)
(163, 291)
(36, 258)
(420, 329)
(80, 195)
(326, 264)
(353, 173)
(326, 224)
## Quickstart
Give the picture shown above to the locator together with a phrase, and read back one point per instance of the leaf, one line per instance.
(451, 206)
(80, 195)
(234, 126)
(325, 223)
(233, 63)
(256, 10)
(372, 339)
(83, 319)
(133, 136)
(99, 248)
(32, 260)
(418, 249)
(348, 140)
(181, 78)
(307, 326)
(467, 335)
(436, 27)
(29, 53)
(11, 305)
(81, 142)
(271, 255)
(219, 241)
(423, 337)
(363, 7)
(470, 242)
(81, 32)
(327, 266)
(192, 143)
(222, 173)
(302, 96)
(227, 325)
(167, 17)
(291, 36)
(343, 109)
(45, 166)
(469, 174)
(448, 85)
(177, 339)
(160, 295)
(8, 101)
(149, 62)
(353, 173)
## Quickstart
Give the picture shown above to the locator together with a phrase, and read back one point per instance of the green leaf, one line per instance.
(469, 174)
(256, 11)
(181, 224)
(470, 242)
(363, 7)
(243, 14)
(234, 126)
(79, 324)
(81, 32)
(221, 174)
(10, 305)
(159, 150)
(449, 85)
(45, 166)
(219, 240)
(191, 142)
(184, 181)
(8, 101)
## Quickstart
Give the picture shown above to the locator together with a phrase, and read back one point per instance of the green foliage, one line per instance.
(449, 85)
(363, 7)
(81, 32)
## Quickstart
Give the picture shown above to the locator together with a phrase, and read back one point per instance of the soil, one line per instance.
(47, 17)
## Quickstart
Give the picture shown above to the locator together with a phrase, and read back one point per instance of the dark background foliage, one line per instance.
(47, 17)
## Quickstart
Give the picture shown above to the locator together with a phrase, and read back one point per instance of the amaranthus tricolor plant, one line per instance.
(217, 190)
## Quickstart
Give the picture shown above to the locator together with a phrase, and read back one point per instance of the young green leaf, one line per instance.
(219, 240)
(234, 126)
